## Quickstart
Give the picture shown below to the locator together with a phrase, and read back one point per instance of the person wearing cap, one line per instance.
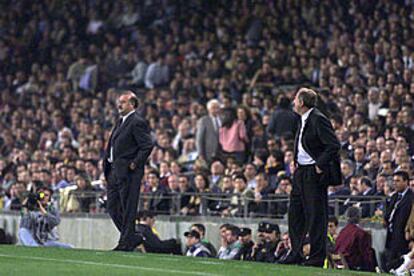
(201, 229)
(195, 247)
(245, 238)
(150, 239)
(265, 251)
(232, 245)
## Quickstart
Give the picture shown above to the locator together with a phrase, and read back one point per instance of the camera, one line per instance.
(32, 199)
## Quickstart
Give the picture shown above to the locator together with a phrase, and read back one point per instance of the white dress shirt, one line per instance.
(303, 157)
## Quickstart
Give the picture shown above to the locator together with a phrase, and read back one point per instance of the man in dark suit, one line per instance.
(128, 148)
(396, 216)
(317, 160)
(150, 239)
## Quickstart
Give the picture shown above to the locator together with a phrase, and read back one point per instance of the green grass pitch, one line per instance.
(16, 260)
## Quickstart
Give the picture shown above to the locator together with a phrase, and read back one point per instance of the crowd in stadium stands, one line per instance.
(216, 82)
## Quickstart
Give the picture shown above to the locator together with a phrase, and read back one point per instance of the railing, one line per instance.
(215, 204)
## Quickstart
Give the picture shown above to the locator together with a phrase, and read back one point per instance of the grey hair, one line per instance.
(211, 102)
(353, 215)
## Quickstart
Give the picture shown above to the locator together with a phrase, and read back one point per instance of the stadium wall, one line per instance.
(96, 231)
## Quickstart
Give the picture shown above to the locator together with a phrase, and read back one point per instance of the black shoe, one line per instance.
(119, 247)
(315, 263)
(132, 245)
(292, 259)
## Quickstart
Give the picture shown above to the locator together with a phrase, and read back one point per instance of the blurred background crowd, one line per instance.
(216, 81)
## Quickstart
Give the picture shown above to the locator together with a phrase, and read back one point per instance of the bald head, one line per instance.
(305, 99)
(127, 102)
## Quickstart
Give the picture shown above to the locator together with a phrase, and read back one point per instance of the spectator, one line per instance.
(196, 206)
(266, 251)
(195, 247)
(200, 228)
(158, 201)
(242, 198)
(232, 247)
(82, 198)
(283, 119)
(245, 238)
(207, 137)
(150, 239)
(354, 243)
(233, 136)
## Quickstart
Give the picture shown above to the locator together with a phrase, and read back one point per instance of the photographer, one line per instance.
(39, 221)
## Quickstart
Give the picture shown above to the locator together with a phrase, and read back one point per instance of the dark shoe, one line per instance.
(135, 241)
(292, 259)
(119, 247)
(315, 263)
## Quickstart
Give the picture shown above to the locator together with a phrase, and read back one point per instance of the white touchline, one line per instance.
(106, 264)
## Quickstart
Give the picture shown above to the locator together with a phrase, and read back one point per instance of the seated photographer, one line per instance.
(39, 221)
(150, 239)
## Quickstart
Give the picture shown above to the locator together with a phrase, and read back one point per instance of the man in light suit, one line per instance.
(128, 148)
(207, 136)
(317, 161)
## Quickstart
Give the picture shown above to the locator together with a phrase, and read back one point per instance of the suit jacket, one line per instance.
(131, 142)
(396, 241)
(320, 142)
(207, 138)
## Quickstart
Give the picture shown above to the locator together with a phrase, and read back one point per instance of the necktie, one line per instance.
(216, 123)
(397, 202)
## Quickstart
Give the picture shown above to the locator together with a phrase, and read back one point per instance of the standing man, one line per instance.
(128, 148)
(396, 217)
(317, 161)
(207, 136)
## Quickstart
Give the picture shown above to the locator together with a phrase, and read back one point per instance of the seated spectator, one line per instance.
(195, 205)
(195, 247)
(283, 249)
(354, 243)
(201, 229)
(365, 189)
(14, 199)
(223, 202)
(185, 192)
(262, 193)
(246, 250)
(82, 198)
(232, 244)
(150, 239)
(284, 188)
(242, 197)
(158, 201)
(39, 221)
(250, 172)
(266, 250)
(331, 238)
